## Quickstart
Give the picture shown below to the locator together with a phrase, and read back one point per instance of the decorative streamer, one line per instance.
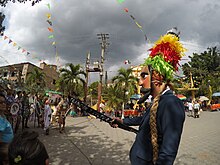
(10, 41)
(120, 1)
(137, 24)
(51, 36)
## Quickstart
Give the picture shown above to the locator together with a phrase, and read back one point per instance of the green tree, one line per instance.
(35, 82)
(205, 67)
(114, 96)
(4, 2)
(2, 28)
(126, 83)
(72, 80)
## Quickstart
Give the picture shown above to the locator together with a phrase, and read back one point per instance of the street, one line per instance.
(91, 142)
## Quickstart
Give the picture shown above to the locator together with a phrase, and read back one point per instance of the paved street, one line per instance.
(91, 142)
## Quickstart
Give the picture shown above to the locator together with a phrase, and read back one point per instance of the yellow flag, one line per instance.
(138, 25)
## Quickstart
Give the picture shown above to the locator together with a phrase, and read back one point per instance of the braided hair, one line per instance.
(159, 79)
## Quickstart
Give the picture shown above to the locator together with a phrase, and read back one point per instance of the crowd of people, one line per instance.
(160, 127)
(20, 110)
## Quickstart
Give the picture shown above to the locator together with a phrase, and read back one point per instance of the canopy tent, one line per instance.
(216, 94)
(47, 92)
(181, 96)
(203, 98)
(135, 96)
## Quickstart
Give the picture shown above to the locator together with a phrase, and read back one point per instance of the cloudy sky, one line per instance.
(76, 24)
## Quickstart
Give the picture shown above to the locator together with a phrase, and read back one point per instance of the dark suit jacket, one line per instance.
(170, 120)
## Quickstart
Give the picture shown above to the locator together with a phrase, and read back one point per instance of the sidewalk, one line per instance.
(91, 142)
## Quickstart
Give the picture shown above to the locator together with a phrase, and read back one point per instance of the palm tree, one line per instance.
(71, 78)
(126, 82)
(113, 95)
(36, 81)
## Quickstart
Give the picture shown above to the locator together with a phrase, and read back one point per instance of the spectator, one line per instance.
(47, 116)
(6, 132)
(27, 149)
(25, 110)
(196, 108)
(190, 107)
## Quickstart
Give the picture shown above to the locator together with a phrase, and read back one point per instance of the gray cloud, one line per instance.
(76, 24)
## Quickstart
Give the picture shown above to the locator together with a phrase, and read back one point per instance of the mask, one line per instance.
(145, 82)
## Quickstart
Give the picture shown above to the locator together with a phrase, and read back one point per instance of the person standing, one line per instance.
(196, 108)
(25, 110)
(62, 108)
(6, 131)
(161, 126)
(190, 106)
(47, 116)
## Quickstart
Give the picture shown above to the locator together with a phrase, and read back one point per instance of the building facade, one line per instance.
(16, 74)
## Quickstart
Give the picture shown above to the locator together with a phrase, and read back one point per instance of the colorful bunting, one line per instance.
(120, 1)
(50, 36)
(48, 5)
(50, 23)
(137, 24)
(50, 29)
(10, 41)
(126, 10)
(18, 47)
(48, 16)
(127, 62)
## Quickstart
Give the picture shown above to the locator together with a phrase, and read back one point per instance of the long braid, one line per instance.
(153, 127)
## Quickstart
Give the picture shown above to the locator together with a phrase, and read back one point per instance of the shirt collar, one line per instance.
(167, 89)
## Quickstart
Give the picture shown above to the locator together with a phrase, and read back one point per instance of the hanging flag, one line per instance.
(138, 24)
(48, 5)
(127, 62)
(126, 10)
(50, 29)
(50, 36)
(28, 53)
(23, 50)
(48, 16)
(10, 41)
(132, 17)
(5, 37)
(120, 1)
(19, 47)
(53, 43)
(50, 23)
(14, 44)
(145, 36)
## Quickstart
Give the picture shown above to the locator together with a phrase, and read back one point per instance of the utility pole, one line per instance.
(87, 75)
(104, 44)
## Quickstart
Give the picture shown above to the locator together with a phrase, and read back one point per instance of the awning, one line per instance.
(135, 96)
(203, 98)
(52, 92)
(181, 97)
(217, 94)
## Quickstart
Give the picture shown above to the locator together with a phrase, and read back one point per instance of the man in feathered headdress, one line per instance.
(160, 128)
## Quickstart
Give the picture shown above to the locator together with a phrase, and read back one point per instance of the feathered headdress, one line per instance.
(166, 54)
